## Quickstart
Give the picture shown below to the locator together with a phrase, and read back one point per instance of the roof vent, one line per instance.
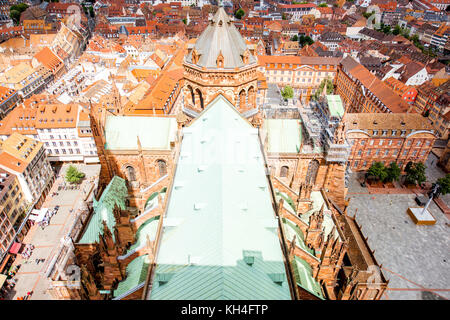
(278, 277)
(249, 257)
(201, 168)
(179, 186)
(164, 277)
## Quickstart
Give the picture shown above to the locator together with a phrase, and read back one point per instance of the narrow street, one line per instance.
(31, 274)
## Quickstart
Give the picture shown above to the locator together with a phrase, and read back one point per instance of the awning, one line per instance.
(37, 215)
(15, 248)
(3, 278)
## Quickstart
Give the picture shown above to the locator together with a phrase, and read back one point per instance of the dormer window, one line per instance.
(220, 60)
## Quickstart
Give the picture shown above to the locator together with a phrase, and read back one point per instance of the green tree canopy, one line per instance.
(444, 183)
(323, 5)
(368, 14)
(378, 171)
(73, 175)
(415, 173)
(393, 172)
(16, 10)
(305, 40)
(287, 93)
(325, 82)
(239, 13)
(294, 38)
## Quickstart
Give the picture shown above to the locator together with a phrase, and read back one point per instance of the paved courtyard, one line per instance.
(416, 259)
(31, 275)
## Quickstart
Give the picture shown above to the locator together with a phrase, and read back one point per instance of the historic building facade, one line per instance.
(361, 91)
(387, 138)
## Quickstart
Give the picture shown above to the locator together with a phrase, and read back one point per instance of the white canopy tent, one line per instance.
(37, 215)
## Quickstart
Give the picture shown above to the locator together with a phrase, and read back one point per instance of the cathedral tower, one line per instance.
(220, 62)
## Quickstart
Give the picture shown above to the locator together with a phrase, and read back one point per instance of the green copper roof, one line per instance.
(219, 237)
(291, 230)
(335, 105)
(284, 135)
(148, 228)
(155, 133)
(136, 273)
(114, 194)
(303, 276)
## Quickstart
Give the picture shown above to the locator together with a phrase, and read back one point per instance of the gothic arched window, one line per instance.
(162, 167)
(311, 174)
(284, 172)
(131, 174)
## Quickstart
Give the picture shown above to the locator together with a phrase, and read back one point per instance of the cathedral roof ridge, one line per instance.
(220, 36)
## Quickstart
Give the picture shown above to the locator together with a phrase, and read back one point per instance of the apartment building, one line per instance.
(297, 11)
(303, 74)
(12, 208)
(26, 158)
(407, 93)
(439, 38)
(64, 130)
(433, 101)
(8, 100)
(25, 79)
(72, 83)
(398, 137)
(361, 91)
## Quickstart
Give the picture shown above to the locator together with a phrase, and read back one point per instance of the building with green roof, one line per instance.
(115, 194)
(220, 232)
(283, 135)
(335, 106)
(154, 133)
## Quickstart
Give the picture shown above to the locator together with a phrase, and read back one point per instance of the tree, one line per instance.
(378, 171)
(368, 14)
(396, 30)
(16, 10)
(287, 93)
(386, 29)
(305, 40)
(415, 173)
(326, 82)
(393, 172)
(323, 5)
(184, 21)
(73, 175)
(239, 14)
(91, 12)
(444, 183)
(294, 38)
